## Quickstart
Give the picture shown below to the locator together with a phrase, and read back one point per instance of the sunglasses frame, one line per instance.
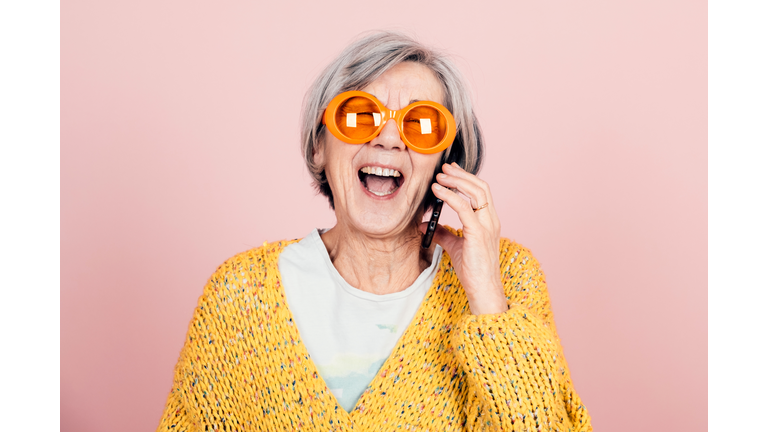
(398, 115)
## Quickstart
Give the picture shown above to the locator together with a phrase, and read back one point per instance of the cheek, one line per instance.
(427, 164)
(338, 158)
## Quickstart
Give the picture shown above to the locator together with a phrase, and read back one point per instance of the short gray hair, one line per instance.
(363, 62)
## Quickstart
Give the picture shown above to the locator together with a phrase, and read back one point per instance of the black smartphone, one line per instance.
(436, 209)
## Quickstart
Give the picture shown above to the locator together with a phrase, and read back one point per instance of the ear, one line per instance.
(318, 155)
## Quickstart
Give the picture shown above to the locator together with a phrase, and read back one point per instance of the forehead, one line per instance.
(404, 83)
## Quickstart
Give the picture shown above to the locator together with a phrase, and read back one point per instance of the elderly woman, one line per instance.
(360, 326)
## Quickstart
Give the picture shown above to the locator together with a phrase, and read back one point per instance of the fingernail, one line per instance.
(437, 186)
(441, 175)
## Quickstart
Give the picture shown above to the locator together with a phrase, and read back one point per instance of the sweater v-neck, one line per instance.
(390, 363)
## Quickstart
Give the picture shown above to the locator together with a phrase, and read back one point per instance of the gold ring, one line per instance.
(481, 207)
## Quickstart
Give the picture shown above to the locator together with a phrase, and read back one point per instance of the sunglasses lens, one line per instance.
(425, 127)
(358, 117)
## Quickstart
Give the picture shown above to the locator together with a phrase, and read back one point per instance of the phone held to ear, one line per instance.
(427, 239)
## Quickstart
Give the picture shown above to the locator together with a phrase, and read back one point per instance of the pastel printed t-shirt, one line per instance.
(348, 333)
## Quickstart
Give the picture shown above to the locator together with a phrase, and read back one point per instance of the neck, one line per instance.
(379, 265)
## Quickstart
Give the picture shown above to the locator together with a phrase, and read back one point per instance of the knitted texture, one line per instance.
(244, 367)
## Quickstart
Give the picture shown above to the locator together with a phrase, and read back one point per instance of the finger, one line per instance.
(488, 213)
(462, 208)
(471, 190)
(455, 170)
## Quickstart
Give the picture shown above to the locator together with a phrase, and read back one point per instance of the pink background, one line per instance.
(179, 132)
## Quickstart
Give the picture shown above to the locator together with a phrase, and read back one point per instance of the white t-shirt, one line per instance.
(348, 333)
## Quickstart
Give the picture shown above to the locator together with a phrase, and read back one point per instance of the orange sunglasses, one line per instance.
(357, 117)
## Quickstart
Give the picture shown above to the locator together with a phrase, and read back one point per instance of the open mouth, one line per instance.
(380, 181)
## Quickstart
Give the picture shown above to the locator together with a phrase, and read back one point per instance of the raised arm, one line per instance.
(515, 364)
(508, 346)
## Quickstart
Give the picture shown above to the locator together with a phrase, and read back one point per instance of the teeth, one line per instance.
(379, 171)
(380, 193)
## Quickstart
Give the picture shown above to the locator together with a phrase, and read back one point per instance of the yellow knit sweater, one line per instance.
(244, 367)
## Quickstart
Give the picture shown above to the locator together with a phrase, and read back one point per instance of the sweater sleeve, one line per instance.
(518, 376)
(178, 415)
(175, 417)
(190, 396)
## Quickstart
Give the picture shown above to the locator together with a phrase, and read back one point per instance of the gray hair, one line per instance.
(363, 62)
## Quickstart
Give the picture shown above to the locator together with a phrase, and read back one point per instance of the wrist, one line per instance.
(491, 302)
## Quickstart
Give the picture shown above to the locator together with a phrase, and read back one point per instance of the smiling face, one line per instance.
(378, 186)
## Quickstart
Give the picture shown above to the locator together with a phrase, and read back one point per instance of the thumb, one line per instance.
(423, 227)
(447, 240)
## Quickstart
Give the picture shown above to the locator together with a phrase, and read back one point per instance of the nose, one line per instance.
(389, 138)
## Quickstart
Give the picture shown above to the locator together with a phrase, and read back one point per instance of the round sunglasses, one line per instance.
(357, 117)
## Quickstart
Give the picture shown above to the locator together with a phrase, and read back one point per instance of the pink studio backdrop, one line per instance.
(179, 131)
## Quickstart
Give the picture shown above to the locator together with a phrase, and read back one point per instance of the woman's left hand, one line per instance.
(475, 256)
